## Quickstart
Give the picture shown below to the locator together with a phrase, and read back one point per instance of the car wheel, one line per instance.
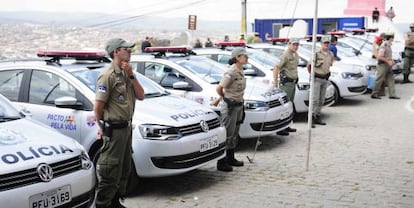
(135, 185)
(337, 96)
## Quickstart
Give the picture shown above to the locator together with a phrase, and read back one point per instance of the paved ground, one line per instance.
(364, 157)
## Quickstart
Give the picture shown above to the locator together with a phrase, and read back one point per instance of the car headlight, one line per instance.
(303, 86)
(350, 75)
(159, 132)
(256, 105)
(86, 163)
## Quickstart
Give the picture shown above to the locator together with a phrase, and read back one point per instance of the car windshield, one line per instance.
(89, 77)
(7, 110)
(263, 58)
(208, 70)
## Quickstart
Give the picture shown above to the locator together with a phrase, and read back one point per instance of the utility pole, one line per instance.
(243, 18)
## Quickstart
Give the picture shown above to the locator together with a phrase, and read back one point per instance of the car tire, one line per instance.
(337, 96)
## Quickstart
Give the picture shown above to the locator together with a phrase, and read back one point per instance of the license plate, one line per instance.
(209, 143)
(52, 198)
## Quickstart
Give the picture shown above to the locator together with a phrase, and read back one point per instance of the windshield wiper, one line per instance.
(5, 118)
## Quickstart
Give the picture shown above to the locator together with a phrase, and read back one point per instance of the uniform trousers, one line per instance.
(289, 88)
(114, 166)
(384, 73)
(232, 117)
(319, 91)
(408, 61)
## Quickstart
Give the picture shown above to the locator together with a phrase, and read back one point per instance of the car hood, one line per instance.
(344, 67)
(171, 110)
(262, 92)
(24, 143)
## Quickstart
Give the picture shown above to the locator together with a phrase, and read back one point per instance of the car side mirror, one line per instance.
(181, 85)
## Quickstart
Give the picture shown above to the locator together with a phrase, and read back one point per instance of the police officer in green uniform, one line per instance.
(231, 91)
(116, 93)
(384, 68)
(322, 61)
(287, 72)
(408, 54)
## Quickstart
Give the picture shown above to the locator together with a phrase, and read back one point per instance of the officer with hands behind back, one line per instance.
(231, 90)
(116, 92)
(287, 72)
(408, 54)
(322, 61)
(384, 68)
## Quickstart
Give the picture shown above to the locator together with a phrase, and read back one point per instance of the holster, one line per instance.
(285, 79)
(108, 126)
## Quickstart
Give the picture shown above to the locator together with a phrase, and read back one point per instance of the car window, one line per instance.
(10, 82)
(45, 87)
(162, 74)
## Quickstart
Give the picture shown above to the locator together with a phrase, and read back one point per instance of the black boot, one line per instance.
(116, 201)
(406, 80)
(231, 160)
(318, 120)
(223, 166)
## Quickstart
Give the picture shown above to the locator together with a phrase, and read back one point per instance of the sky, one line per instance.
(204, 9)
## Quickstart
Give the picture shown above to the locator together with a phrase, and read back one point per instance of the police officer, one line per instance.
(231, 91)
(322, 61)
(384, 68)
(287, 72)
(408, 54)
(116, 93)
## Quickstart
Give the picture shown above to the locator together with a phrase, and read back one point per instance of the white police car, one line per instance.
(40, 167)
(346, 78)
(171, 135)
(267, 109)
(261, 65)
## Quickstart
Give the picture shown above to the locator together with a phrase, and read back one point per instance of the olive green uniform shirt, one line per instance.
(324, 61)
(288, 64)
(233, 83)
(116, 90)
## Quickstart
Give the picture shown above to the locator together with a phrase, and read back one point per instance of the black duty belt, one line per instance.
(381, 62)
(409, 49)
(322, 76)
(285, 79)
(232, 103)
(117, 124)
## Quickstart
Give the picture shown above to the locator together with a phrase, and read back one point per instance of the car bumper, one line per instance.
(82, 190)
(350, 87)
(155, 158)
(273, 120)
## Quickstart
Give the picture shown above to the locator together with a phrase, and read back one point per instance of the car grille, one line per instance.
(196, 128)
(30, 176)
(272, 125)
(275, 103)
(188, 160)
(82, 201)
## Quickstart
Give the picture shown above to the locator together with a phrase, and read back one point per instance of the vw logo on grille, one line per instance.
(281, 100)
(204, 125)
(45, 172)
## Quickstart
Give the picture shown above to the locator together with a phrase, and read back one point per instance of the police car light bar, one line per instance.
(337, 33)
(56, 55)
(230, 43)
(71, 54)
(172, 49)
(278, 40)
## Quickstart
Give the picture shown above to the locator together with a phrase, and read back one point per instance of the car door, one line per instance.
(38, 97)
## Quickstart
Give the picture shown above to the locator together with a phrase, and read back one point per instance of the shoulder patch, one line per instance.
(101, 88)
